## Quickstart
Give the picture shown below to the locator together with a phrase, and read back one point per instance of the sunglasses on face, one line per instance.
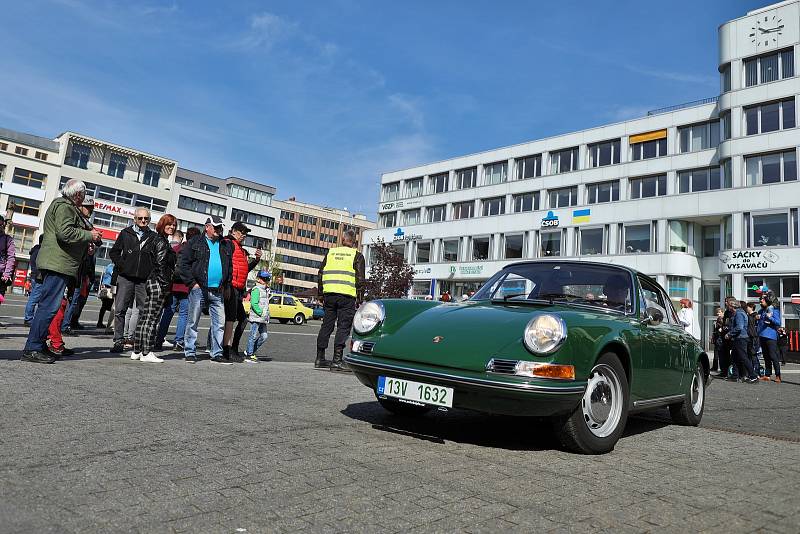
(142, 218)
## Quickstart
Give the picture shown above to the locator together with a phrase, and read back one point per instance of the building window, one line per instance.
(23, 238)
(529, 167)
(424, 252)
(266, 244)
(495, 173)
(591, 241)
(389, 220)
(771, 168)
(564, 161)
(438, 183)
(725, 78)
(564, 197)
(113, 222)
(768, 68)
(328, 238)
(466, 178)
(711, 241)
(651, 186)
(251, 218)
(494, 206)
(515, 246)
(679, 287)
(301, 247)
(116, 165)
(770, 117)
(310, 234)
(21, 151)
(78, 156)
(391, 191)
(695, 180)
(330, 225)
(153, 204)
(680, 234)
(4, 147)
(201, 206)
(24, 206)
(152, 174)
(113, 195)
(637, 238)
(450, 249)
(308, 219)
(698, 136)
(435, 213)
(463, 210)
(184, 181)
(40, 156)
(288, 215)
(481, 247)
(251, 195)
(649, 145)
(606, 153)
(414, 188)
(602, 192)
(550, 244)
(29, 178)
(526, 202)
(412, 216)
(282, 228)
(725, 125)
(209, 187)
(769, 230)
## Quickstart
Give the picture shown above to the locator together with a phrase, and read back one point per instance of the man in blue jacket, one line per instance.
(769, 320)
(738, 335)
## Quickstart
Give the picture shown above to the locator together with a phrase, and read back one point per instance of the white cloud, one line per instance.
(266, 29)
(684, 77)
(410, 107)
(624, 113)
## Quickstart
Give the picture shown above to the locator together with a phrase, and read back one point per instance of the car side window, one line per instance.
(288, 301)
(275, 300)
(653, 298)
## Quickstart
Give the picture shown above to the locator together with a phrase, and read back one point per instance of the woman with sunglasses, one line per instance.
(157, 287)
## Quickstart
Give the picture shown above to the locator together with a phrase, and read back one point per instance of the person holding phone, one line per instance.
(235, 315)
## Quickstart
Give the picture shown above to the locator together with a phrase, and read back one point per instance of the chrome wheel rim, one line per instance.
(602, 401)
(697, 392)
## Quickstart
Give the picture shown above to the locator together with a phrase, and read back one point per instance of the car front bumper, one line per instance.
(483, 392)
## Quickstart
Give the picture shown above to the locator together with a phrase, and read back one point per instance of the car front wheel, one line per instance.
(690, 411)
(599, 419)
(299, 319)
(402, 408)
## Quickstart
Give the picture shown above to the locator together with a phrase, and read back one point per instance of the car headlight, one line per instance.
(368, 317)
(545, 333)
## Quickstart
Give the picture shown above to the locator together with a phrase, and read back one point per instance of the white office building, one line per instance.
(703, 196)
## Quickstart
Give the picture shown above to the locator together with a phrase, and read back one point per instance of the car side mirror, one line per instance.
(654, 317)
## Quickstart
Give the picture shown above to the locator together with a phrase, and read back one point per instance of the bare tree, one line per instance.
(390, 276)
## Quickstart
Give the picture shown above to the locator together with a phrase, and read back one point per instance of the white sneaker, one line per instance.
(150, 358)
(167, 345)
(136, 355)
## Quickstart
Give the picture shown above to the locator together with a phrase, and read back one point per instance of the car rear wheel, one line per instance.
(299, 319)
(402, 408)
(690, 411)
(599, 419)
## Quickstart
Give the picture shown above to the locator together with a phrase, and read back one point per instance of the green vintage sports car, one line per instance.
(582, 343)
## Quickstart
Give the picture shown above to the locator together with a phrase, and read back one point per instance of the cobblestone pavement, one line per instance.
(97, 443)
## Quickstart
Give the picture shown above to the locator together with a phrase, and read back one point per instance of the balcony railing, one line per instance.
(676, 107)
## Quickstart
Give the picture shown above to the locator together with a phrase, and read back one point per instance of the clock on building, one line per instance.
(766, 31)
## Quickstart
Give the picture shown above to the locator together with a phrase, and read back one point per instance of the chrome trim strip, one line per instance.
(658, 401)
(567, 390)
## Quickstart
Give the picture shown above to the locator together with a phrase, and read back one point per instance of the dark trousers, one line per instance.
(724, 357)
(339, 310)
(51, 294)
(74, 309)
(769, 348)
(105, 307)
(741, 358)
(127, 290)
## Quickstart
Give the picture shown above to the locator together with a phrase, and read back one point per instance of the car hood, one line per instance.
(466, 335)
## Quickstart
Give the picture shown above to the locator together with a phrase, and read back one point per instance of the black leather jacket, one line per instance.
(132, 258)
(164, 259)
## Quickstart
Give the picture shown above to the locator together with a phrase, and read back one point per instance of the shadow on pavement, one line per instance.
(463, 426)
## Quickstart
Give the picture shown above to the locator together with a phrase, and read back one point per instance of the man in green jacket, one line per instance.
(65, 243)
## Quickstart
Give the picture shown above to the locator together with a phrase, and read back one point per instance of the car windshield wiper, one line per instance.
(553, 296)
(524, 300)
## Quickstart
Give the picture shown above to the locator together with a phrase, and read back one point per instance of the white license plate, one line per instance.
(415, 391)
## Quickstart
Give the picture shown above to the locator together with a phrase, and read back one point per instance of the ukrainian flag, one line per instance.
(581, 216)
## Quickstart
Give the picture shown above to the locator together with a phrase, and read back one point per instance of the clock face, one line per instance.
(766, 30)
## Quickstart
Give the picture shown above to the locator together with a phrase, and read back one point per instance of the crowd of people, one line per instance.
(158, 273)
(746, 334)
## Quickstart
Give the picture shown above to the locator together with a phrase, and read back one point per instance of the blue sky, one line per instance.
(319, 98)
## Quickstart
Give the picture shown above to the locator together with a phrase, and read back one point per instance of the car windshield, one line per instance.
(585, 284)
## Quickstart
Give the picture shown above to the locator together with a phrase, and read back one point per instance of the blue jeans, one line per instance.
(75, 306)
(33, 300)
(217, 311)
(180, 303)
(258, 335)
(52, 292)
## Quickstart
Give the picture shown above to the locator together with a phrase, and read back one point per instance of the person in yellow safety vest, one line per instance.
(341, 286)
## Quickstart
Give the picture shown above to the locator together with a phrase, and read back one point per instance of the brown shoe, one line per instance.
(765, 378)
(778, 379)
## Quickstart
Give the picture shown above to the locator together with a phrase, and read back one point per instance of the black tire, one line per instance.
(299, 319)
(402, 408)
(283, 321)
(690, 411)
(586, 431)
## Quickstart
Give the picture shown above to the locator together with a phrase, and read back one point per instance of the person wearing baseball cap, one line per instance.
(205, 266)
